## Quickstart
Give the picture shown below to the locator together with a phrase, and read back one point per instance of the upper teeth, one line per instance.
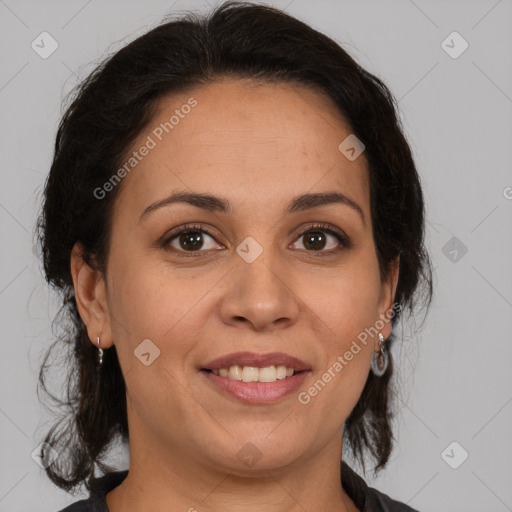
(254, 374)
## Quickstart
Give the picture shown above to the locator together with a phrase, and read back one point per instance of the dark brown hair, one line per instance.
(111, 107)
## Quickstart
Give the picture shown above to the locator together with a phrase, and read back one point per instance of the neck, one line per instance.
(154, 483)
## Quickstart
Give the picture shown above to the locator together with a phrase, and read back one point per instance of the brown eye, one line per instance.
(190, 239)
(316, 239)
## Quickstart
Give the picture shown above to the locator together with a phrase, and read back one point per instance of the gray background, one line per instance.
(455, 383)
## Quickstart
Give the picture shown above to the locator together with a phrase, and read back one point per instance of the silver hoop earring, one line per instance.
(380, 360)
(100, 352)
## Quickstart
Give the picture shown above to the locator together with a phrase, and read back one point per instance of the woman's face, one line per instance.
(250, 283)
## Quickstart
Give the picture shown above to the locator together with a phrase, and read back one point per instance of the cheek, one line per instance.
(152, 300)
(343, 312)
(141, 295)
(344, 302)
(148, 305)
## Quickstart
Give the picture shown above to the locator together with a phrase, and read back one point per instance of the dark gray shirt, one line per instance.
(366, 499)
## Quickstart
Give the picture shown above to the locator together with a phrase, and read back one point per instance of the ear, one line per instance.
(387, 298)
(91, 298)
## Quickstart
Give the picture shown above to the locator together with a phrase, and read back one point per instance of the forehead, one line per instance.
(259, 142)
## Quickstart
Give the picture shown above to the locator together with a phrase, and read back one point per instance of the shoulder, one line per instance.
(378, 501)
(79, 506)
(366, 498)
(91, 504)
(99, 488)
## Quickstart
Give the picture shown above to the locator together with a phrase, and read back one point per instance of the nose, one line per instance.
(260, 295)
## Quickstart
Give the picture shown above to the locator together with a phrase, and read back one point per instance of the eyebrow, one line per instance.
(213, 203)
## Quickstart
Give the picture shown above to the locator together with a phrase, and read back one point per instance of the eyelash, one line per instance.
(193, 228)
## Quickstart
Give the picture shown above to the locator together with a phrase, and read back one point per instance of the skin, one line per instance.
(258, 145)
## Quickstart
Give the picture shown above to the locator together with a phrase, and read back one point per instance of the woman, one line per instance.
(236, 224)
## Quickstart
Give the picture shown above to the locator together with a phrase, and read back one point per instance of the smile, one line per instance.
(256, 391)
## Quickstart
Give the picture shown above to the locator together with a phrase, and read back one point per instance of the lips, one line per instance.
(255, 392)
(257, 360)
